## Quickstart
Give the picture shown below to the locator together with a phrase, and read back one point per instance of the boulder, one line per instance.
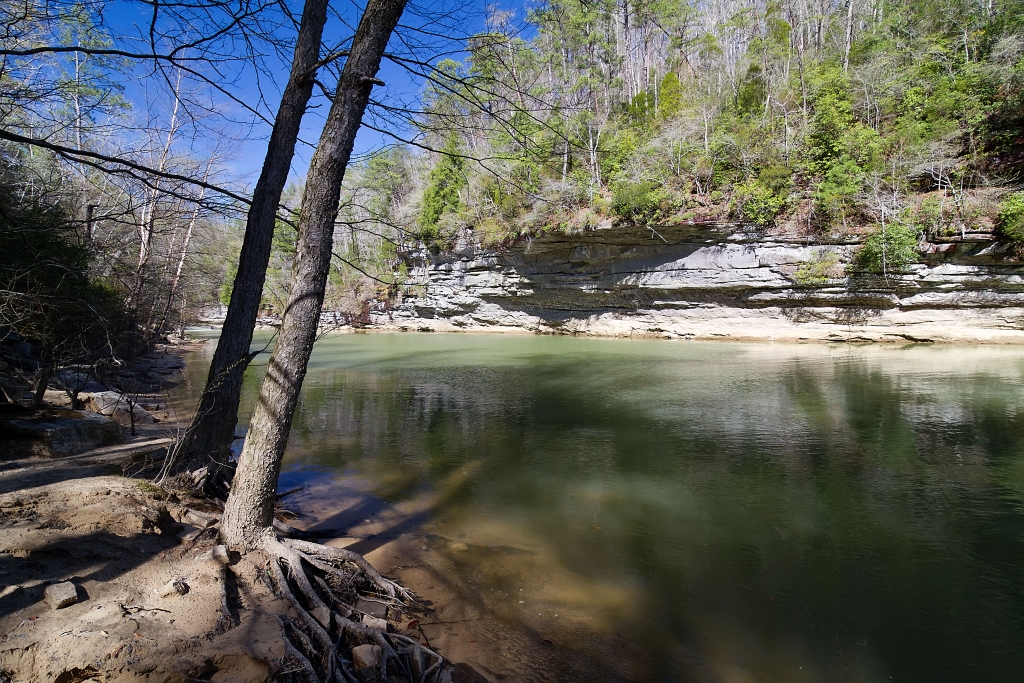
(323, 615)
(76, 379)
(375, 608)
(218, 554)
(366, 656)
(188, 533)
(116, 405)
(199, 519)
(13, 390)
(374, 622)
(59, 595)
(55, 433)
(172, 587)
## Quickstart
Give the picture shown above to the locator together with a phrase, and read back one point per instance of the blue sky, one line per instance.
(450, 20)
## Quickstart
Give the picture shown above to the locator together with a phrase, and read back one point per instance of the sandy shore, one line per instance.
(118, 541)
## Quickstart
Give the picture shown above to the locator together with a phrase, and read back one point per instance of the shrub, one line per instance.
(777, 177)
(888, 250)
(818, 269)
(639, 202)
(493, 230)
(757, 203)
(1011, 218)
(602, 205)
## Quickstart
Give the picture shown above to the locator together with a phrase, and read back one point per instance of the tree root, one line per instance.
(323, 585)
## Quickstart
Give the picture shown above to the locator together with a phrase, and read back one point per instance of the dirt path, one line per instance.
(119, 541)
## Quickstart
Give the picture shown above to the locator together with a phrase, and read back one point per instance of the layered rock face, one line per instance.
(712, 281)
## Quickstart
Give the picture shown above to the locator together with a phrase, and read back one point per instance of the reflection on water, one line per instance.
(720, 512)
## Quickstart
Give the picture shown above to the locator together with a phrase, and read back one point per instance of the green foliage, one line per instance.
(91, 84)
(833, 117)
(863, 145)
(492, 231)
(756, 203)
(47, 294)
(835, 196)
(621, 145)
(228, 285)
(640, 202)
(386, 176)
(776, 177)
(818, 269)
(755, 119)
(888, 250)
(442, 194)
(670, 96)
(641, 109)
(156, 492)
(1011, 218)
(752, 92)
(929, 217)
(284, 239)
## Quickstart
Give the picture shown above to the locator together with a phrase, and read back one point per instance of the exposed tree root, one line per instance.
(324, 586)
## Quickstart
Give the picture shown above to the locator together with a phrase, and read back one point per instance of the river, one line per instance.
(681, 511)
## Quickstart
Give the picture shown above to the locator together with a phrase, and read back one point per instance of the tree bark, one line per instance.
(248, 514)
(207, 440)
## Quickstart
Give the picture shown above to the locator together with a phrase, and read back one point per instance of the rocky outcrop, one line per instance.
(121, 407)
(53, 432)
(712, 281)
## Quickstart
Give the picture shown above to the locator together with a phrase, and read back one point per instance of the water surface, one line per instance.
(709, 511)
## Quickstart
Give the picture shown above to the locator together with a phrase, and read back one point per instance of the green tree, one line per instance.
(888, 250)
(833, 117)
(1011, 217)
(441, 196)
(670, 96)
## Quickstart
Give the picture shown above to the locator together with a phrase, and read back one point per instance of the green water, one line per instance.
(715, 511)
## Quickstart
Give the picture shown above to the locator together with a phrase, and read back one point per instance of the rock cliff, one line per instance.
(712, 281)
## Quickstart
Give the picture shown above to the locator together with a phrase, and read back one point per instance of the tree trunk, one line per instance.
(849, 35)
(248, 514)
(208, 439)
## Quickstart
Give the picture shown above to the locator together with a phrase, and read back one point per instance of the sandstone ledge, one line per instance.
(711, 282)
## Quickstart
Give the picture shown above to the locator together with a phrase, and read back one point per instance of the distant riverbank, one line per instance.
(712, 281)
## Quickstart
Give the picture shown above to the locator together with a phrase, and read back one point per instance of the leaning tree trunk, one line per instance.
(322, 640)
(249, 511)
(208, 438)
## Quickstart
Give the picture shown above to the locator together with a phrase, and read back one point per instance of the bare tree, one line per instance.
(249, 508)
(208, 438)
(247, 524)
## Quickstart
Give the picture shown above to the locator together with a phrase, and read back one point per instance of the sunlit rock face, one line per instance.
(712, 281)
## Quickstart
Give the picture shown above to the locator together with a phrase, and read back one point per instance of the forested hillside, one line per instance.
(885, 121)
(110, 235)
(816, 118)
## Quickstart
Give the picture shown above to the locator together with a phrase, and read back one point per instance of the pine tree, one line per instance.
(442, 193)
